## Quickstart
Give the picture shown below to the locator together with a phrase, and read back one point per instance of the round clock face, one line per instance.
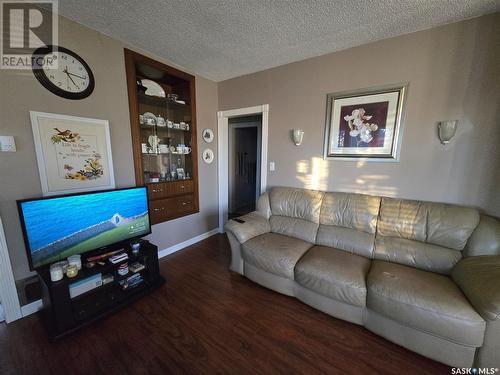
(71, 78)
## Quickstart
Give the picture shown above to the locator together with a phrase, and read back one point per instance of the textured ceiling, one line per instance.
(221, 39)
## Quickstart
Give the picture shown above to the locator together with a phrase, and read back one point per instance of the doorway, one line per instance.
(232, 129)
(244, 150)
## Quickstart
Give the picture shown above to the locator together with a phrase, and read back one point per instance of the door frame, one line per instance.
(223, 153)
(8, 290)
(233, 127)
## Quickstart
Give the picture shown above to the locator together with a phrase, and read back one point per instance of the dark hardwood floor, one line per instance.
(207, 320)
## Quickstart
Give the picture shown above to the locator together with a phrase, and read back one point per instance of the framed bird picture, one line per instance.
(73, 153)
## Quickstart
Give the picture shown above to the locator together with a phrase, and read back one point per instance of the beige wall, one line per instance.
(20, 93)
(452, 70)
(453, 73)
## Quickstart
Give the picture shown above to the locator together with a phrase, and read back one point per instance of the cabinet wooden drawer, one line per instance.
(169, 208)
(181, 187)
(157, 191)
(183, 204)
(158, 210)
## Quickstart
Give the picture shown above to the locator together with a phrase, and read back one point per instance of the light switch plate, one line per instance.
(7, 143)
(272, 166)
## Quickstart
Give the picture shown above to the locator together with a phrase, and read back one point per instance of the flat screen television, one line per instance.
(57, 227)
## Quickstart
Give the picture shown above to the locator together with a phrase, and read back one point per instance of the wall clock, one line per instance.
(208, 156)
(72, 79)
(208, 135)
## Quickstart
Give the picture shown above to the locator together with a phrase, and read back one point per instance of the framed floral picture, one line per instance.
(365, 124)
(73, 153)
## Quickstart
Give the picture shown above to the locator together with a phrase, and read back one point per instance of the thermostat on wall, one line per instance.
(7, 143)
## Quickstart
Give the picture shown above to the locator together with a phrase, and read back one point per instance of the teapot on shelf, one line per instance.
(183, 149)
(160, 121)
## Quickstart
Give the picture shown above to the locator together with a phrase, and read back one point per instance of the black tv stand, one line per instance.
(62, 314)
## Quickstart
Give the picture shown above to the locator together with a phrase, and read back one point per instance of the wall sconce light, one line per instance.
(446, 130)
(297, 134)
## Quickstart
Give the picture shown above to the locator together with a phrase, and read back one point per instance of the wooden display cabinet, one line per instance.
(164, 145)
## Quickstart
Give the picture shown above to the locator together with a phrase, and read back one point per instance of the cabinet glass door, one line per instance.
(166, 137)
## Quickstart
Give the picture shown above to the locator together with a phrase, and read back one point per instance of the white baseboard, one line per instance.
(182, 245)
(33, 307)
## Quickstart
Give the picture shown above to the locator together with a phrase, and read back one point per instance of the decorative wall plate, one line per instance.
(153, 88)
(208, 155)
(208, 135)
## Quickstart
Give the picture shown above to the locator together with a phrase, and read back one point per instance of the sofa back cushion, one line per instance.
(485, 240)
(295, 212)
(424, 235)
(348, 222)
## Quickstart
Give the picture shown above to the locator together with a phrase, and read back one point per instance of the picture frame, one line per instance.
(365, 124)
(73, 153)
(180, 174)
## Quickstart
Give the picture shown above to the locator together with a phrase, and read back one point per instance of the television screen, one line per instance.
(55, 228)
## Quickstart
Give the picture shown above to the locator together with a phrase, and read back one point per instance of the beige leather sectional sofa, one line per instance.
(423, 275)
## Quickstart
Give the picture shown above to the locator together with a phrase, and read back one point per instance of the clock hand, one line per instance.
(71, 74)
(72, 80)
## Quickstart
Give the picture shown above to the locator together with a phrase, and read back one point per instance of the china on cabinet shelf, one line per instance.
(163, 124)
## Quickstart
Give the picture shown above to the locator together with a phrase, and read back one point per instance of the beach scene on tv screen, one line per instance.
(59, 227)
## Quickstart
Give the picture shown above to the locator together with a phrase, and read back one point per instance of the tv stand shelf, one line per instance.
(63, 314)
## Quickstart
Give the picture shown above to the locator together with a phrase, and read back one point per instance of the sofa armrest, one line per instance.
(479, 279)
(255, 224)
(263, 206)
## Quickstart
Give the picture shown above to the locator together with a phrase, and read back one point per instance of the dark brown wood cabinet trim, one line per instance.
(131, 59)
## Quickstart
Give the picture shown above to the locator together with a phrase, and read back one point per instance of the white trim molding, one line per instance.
(182, 245)
(223, 151)
(8, 290)
(31, 308)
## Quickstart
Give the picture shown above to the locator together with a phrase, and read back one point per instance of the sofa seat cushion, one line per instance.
(275, 253)
(334, 273)
(425, 301)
